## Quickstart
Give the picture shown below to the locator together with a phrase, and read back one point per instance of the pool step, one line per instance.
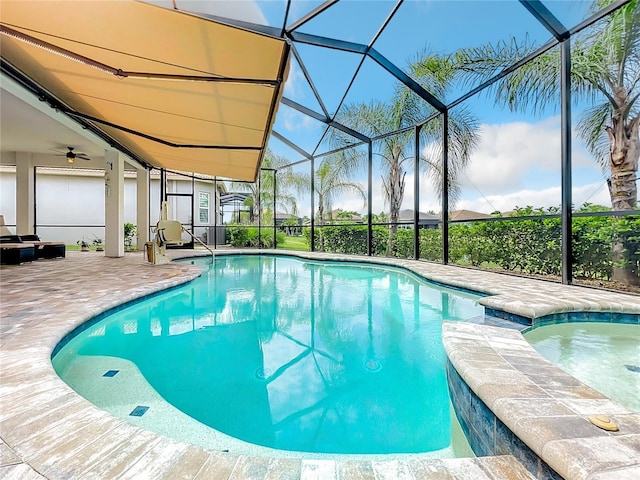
(496, 322)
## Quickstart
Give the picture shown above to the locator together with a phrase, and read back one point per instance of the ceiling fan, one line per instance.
(71, 155)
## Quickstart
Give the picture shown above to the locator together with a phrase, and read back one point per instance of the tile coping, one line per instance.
(544, 406)
(48, 431)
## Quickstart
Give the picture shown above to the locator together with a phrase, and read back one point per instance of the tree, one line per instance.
(382, 217)
(291, 226)
(347, 215)
(332, 180)
(605, 72)
(436, 74)
(261, 192)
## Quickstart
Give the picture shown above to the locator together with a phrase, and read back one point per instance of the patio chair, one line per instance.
(46, 249)
(14, 251)
(4, 230)
(41, 249)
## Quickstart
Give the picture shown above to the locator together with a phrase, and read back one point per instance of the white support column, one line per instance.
(142, 207)
(25, 194)
(114, 203)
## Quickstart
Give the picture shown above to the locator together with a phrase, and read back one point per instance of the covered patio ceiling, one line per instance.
(170, 89)
(343, 53)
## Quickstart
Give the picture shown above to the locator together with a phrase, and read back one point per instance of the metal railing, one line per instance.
(196, 239)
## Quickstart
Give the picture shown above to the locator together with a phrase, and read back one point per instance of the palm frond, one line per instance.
(591, 129)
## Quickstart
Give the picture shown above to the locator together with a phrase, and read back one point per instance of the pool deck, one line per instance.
(48, 431)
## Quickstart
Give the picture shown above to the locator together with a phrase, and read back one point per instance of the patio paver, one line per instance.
(48, 431)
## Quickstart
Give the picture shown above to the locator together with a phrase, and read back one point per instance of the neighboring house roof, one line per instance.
(406, 215)
(462, 215)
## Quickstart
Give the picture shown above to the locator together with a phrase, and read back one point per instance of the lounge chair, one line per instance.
(4, 230)
(40, 249)
(46, 249)
(14, 252)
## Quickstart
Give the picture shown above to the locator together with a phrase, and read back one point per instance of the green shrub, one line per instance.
(402, 246)
(129, 234)
(247, 237)
(350, 239)
(238, 236)
(527, 245)
(431, 244)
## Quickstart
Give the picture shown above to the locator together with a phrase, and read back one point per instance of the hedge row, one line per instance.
(531, 246)
(242, 237)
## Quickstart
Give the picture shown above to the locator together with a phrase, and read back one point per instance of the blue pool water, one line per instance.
(605, 356)
(284, 353)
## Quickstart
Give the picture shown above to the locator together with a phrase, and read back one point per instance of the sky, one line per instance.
(517, 162)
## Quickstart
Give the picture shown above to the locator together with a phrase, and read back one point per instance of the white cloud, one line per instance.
(595, 193)
(516, 164)
(428, 202)
(292, 87)
(349, 201)
(295, 121)
(507, 152)
(519, 154)
(428, 199)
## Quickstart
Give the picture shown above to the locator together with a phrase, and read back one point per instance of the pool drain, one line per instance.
(262, 373)
(372, 365)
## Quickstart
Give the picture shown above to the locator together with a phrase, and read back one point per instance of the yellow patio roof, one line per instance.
(179, 91)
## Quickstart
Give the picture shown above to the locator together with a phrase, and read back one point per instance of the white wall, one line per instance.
(70, 204)
(8, 195)
(71, 207)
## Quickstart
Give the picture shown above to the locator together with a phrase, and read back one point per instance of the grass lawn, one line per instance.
(294, 243)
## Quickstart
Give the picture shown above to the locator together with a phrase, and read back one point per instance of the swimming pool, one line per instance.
(605, 356)
(288, 354)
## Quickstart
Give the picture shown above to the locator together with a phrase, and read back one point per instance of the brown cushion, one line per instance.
(17, 245)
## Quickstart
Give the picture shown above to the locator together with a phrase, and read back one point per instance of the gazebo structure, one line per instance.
(235, 202)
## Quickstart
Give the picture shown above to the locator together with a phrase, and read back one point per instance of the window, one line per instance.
(203, 208)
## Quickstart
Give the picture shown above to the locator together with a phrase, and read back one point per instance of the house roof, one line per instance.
(462, 215)
(172, 89)
(406, 215)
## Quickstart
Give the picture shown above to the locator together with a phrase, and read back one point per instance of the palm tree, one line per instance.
(374, 119)
(605, 71)
(261, 193)
(436, 74)
(331, 180)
